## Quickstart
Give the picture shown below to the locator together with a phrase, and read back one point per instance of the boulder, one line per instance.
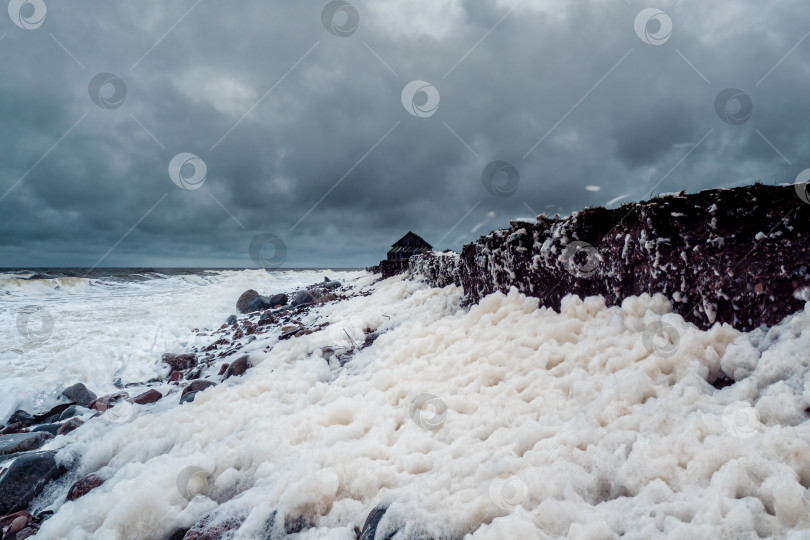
(150, 396)
(73, 410)
(251, 301)
(69, 426)
(198, 386)
(53, 414)
(79, 394)
(238, 367)
(180, 362)
(83, 486)
(23, 442)
(25, 479)
(188, 398)
(303, 298)
(21, 417)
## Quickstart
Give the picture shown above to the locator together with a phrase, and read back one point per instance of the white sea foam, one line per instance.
(555, 425)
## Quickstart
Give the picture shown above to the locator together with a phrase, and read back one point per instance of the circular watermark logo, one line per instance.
(340, 18)
(802, 185)
(653, 26)
(500, 179)
(420, 99)
(107, 90)
(27, 14)
(267, 251)
(508, 493)
(193, 482)
(581, 259)
(187, 171)
(428, 411)
(741, 419)
(661, 339)
(733, 106)
(35, 324)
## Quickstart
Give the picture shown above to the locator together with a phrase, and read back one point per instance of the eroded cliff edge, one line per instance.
(737, 256)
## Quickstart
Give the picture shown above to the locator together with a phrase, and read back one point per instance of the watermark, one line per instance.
(420, 99)
(187, 171)
(193, 482)
(508, 493)
(265, 258)
(340, 18)
(653, 26)
(741, 419)
(661, 339)
(27, 14)
(428, 411)
(733, 106)
(107, 90)
(581, 259)
(802, 185)
(500, 179)
(35, 324)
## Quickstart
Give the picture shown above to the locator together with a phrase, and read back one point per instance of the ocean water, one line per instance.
(61, 326)
(496, 421)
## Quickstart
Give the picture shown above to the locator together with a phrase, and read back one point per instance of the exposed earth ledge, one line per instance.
(737, 256)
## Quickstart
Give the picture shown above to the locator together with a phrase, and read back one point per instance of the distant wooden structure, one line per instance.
(407, 246)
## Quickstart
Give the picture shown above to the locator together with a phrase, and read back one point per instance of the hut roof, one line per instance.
(411, 240)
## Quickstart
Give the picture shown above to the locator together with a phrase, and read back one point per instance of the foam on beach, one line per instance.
(534, 424)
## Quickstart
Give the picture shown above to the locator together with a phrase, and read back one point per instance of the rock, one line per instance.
(79, 394)
(52, 415)
(188, 398)
(215, 526)
(223, 368)
(327, 298)
(176, 376)
(83, 486)
(706, 252)
(289, 330)
(332, 285)
(69, 426)
(23, 442)
(266, 318)
(109, 401)
(180, 362)
(73, 410)
(371, 337)
(392, 268)
(25, 479)
(16, 427)
(303, 298)
(15, 522)
(231, 320)
(53, 429)
(372, 522)
(22, 417)
(198, 386)
(238, 367)
(251, 301)
(150, 396)
(326, 279)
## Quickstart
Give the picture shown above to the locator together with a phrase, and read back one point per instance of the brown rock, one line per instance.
(180, 362)
(150, 396)
(108, 402)
(83, 486)
(69, 426)
(223, 368)
(197, 386)
(243, 305)
(238, 367)
(176, 376)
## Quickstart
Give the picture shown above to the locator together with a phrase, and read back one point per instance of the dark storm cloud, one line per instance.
(280, 110)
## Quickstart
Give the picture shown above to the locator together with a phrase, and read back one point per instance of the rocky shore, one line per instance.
(738, 256)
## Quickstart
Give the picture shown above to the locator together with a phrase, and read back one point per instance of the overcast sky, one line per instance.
(309, 121)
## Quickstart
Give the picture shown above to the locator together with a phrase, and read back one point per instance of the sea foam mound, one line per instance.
(738, 255)
(503, 420)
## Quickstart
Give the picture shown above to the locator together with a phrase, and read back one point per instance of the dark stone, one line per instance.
(722, 381)
(238, 367)
(69, 426)
(83, 486)
(73, 410)
(326, 279)
(243, 304)
(266, 318)
(277, 300)
(109, 401)
(231, 320)
(79, 394)
(53, 429)
(188, 398)
(251, 301)
(14, 523)
(53, 414)
(22, 417)
(332, 285)
(223, 368)
(392, 268)
(198, 386)
(16, 427)
(150, 396)
(176, 376)
(23, 442)
(180, 362)
(303, 298)
(369, 529)
(705, 249)
(215, 526)
(25, 479)
(371, 337)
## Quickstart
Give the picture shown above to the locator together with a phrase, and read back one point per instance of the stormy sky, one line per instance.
(157, 133)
